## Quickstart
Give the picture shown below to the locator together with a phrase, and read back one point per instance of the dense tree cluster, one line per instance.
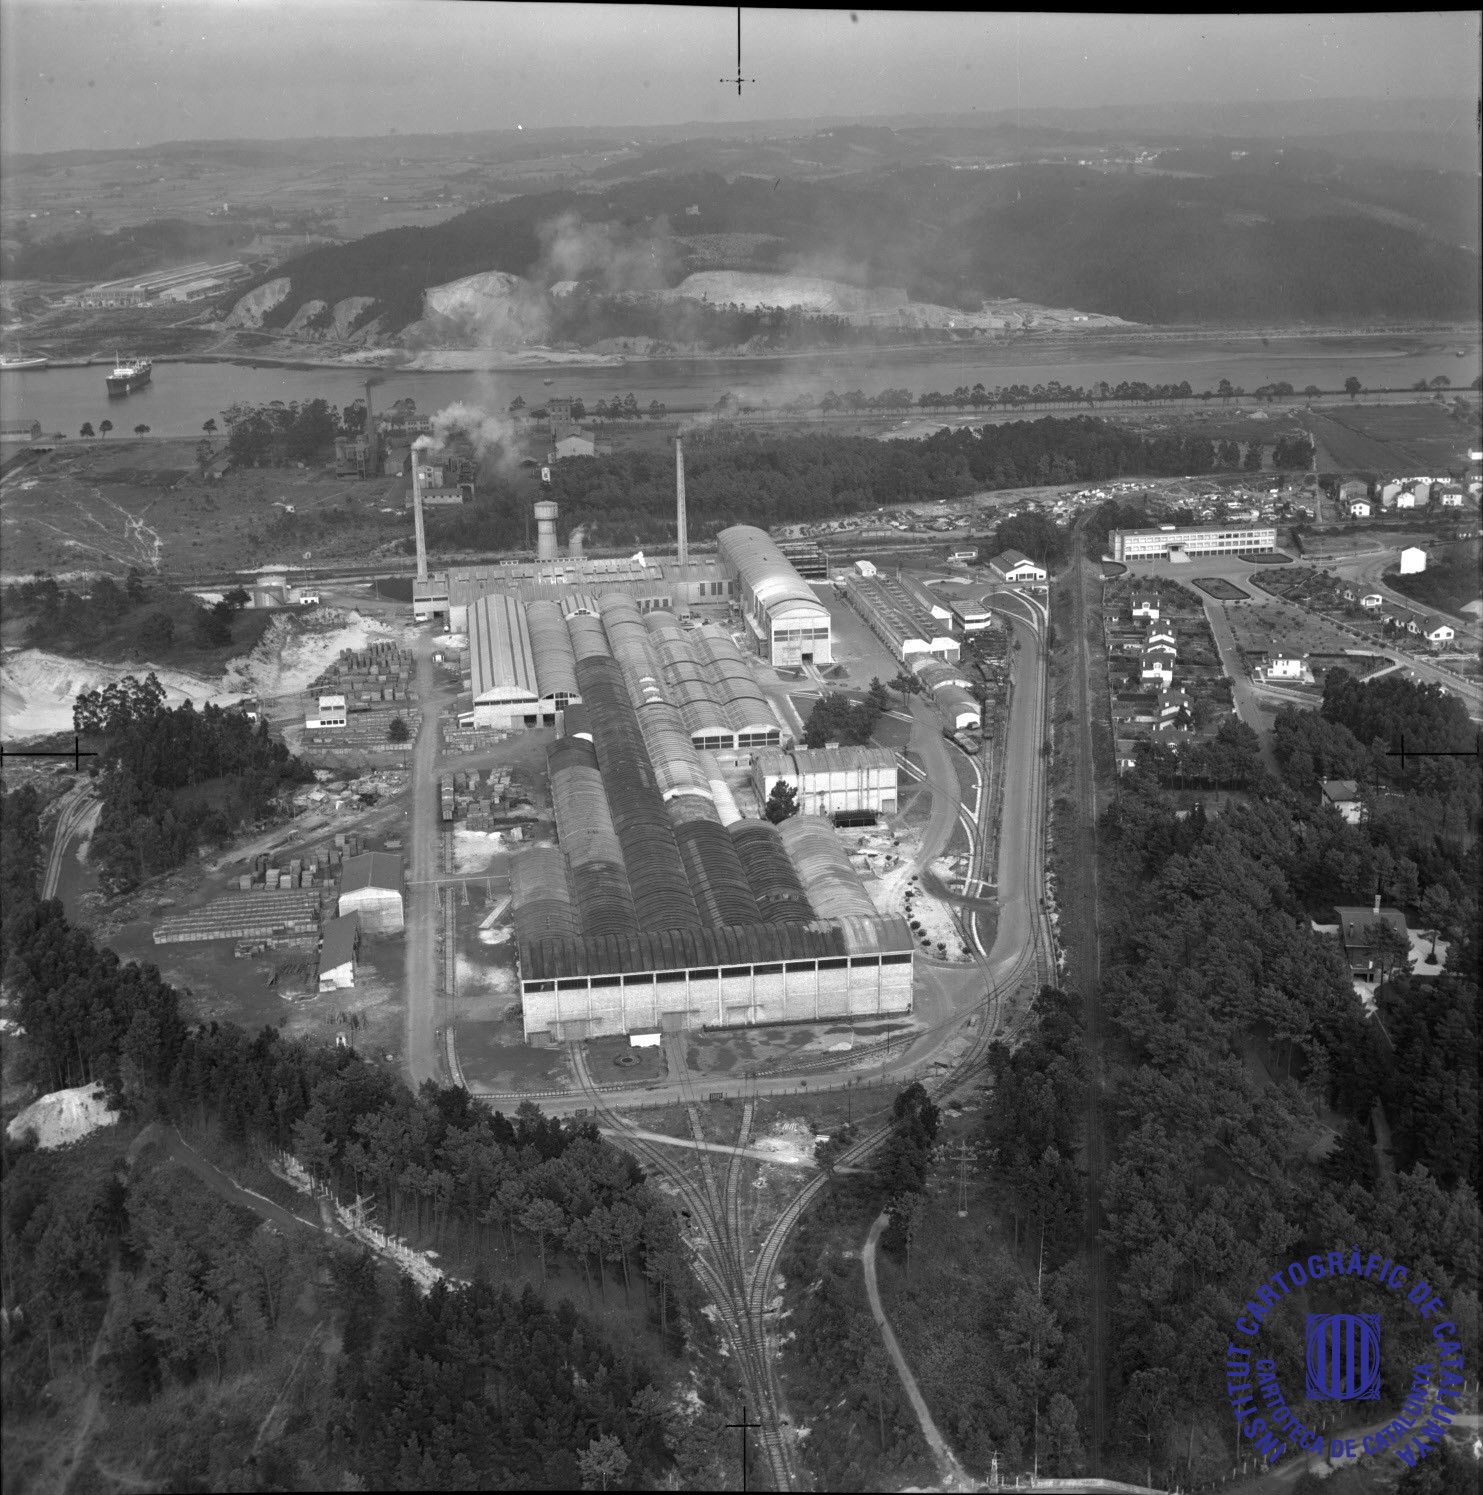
(1033, 1126)
(170, 778)
(1035, 535)
(1293, 453)
(475, 1388)
(546, 1386)
(278, 434)
(627, 497)
(837, 718)
(64, 619)
(1232, 1028)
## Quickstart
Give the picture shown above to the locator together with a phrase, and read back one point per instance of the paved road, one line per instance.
(1244, 694)
(951, 1472)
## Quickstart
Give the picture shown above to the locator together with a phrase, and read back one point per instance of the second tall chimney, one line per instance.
(681, 536)
(417, 515)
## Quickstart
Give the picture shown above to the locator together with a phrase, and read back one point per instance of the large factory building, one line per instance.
(660, 907)
(523, 667)
(788, 623)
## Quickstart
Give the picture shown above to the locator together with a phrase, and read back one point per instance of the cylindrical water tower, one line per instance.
(546, 547)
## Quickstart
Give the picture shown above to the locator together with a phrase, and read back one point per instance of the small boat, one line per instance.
(549, 382)
(15, 365)
(128, 375)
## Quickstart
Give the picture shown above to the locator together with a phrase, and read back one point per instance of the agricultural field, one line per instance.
(1407, 440)
(111, 504)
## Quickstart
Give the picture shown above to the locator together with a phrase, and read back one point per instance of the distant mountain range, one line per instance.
(1192, 235)
(1335, 211)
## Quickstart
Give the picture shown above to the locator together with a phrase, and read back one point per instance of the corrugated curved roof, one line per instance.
(551, 649)
(834, 887)
(765, 571)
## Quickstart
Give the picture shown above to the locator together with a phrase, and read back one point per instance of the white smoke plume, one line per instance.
(621, 259)
(493, 437)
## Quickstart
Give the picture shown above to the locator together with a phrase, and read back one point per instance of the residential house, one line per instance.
(1372, 600)
(1286, 667)
(1160, 633)
(1343, 795)
(1171, 703)
(1359, 929)
(1450, 498)
(1437, 631)
(1405, 499)
(1146, 605)
(1158, 667)
(1358, 508)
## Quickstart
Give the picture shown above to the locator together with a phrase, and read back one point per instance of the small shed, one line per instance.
(371, 886)
(337, 953)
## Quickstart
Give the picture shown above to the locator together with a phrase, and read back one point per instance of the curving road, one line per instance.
(952, 1473)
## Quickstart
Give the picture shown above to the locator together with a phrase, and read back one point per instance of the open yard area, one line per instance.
(1401, 439)
(109, 504)
(1221, 589)
(1278, 627)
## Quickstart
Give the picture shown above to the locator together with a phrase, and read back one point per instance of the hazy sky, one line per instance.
(118, 73)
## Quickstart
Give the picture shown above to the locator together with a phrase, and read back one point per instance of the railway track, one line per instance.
(741, 1283)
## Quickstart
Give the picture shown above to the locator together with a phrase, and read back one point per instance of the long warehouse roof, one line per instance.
(687, 949)
(501, 661)
(766, 572)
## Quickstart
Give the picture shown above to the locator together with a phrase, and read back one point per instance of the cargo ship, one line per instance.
(11, 365)
(128, 375)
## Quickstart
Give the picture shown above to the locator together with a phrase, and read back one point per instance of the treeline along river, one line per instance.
(183, 395)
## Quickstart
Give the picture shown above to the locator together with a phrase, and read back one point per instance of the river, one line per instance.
(183, 395)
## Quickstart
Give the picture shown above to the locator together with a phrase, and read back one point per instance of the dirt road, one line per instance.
(953, 1475)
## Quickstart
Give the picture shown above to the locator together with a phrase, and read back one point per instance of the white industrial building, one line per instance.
(787, 622)
(1413, 559)
(332, 712)
(371, 887)
(828, 780)
(1012, 566)
(1176, 544)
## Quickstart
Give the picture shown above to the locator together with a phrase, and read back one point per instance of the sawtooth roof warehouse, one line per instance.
(1175, 544)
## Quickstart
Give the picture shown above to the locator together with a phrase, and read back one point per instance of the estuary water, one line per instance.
(183, 395)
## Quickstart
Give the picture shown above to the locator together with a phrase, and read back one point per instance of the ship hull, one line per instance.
(17, 365)
(128, 384)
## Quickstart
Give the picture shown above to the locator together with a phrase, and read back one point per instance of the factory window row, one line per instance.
(646, 978)
(791, 635)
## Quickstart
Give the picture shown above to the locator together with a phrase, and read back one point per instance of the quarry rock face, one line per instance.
(488, 309)
(255, 305)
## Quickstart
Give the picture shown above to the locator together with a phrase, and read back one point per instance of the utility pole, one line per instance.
(962, 1179)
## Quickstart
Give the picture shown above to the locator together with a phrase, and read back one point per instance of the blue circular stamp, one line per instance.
(1344, 1360)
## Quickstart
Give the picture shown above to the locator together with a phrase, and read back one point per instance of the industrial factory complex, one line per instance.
(661, 905)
